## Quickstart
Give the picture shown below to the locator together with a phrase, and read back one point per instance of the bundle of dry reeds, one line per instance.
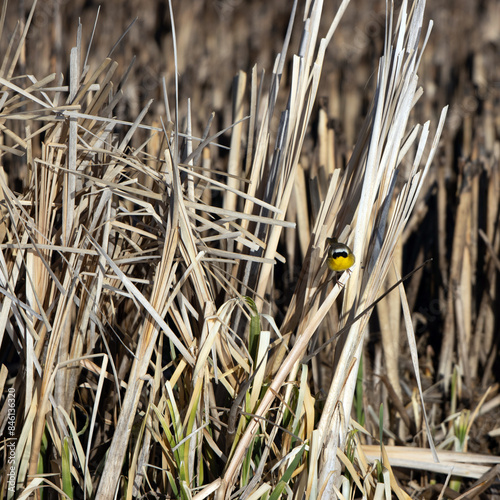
(150, 345)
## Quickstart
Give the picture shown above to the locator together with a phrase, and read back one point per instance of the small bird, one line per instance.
(340, 256)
